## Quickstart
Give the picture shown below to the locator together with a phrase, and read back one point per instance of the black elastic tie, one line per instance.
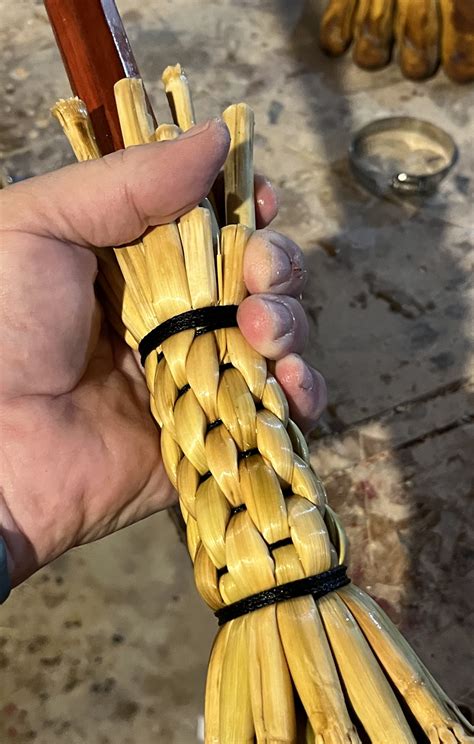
(237, 509)
(280, 543)
(203, 319)
(318, 586)
(248, 453)
(227, 365)
(214, 424)
(183, 390)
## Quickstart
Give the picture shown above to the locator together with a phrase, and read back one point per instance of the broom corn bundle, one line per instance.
(423, 33)
(328, 670)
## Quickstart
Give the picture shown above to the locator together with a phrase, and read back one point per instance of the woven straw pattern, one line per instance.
(238, 463)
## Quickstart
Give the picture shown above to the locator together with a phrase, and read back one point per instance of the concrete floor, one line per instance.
(110, 643)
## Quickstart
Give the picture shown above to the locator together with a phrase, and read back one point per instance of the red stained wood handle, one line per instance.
(96, 53)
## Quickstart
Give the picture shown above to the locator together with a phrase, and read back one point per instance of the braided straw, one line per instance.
(301, 670)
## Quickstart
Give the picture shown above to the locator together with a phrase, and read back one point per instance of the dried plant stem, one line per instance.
(180, 101)
(123, 310)
(238, 172)
(158, 268)
(368, 690)
(179, 96)
(74, 119)
(135, 122)
(441, 720)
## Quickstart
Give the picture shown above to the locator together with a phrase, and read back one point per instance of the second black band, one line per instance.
(317, 586)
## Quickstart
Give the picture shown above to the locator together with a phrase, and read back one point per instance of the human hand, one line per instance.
(80, 452)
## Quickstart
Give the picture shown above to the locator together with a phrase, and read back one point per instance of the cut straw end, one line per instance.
(179, 96)
(73, 117)
(167, 132)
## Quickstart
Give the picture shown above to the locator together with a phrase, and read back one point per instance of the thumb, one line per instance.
(113, 200)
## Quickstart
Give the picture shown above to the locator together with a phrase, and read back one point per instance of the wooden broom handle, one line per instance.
(96, 53)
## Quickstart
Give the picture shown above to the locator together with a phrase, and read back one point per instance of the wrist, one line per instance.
(18, 553)
(28, 530)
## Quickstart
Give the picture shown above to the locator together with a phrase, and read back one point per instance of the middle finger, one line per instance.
(273, 263)
(275, 325)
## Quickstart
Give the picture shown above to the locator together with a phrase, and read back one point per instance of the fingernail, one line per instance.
(280, 271)
(271, 187)
(199, 128)
(282, 317)
(307, 379)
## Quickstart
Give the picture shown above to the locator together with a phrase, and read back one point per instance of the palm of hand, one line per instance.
(78, 433)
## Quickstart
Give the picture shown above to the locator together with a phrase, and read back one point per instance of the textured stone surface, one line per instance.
(111, 642)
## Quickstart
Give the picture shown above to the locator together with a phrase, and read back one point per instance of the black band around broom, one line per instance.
(203, 320)
(316, 586)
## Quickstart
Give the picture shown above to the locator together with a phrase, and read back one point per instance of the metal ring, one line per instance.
(381, 177)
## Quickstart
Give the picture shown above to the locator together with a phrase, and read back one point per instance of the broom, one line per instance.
(301, 654)
(286, 666)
